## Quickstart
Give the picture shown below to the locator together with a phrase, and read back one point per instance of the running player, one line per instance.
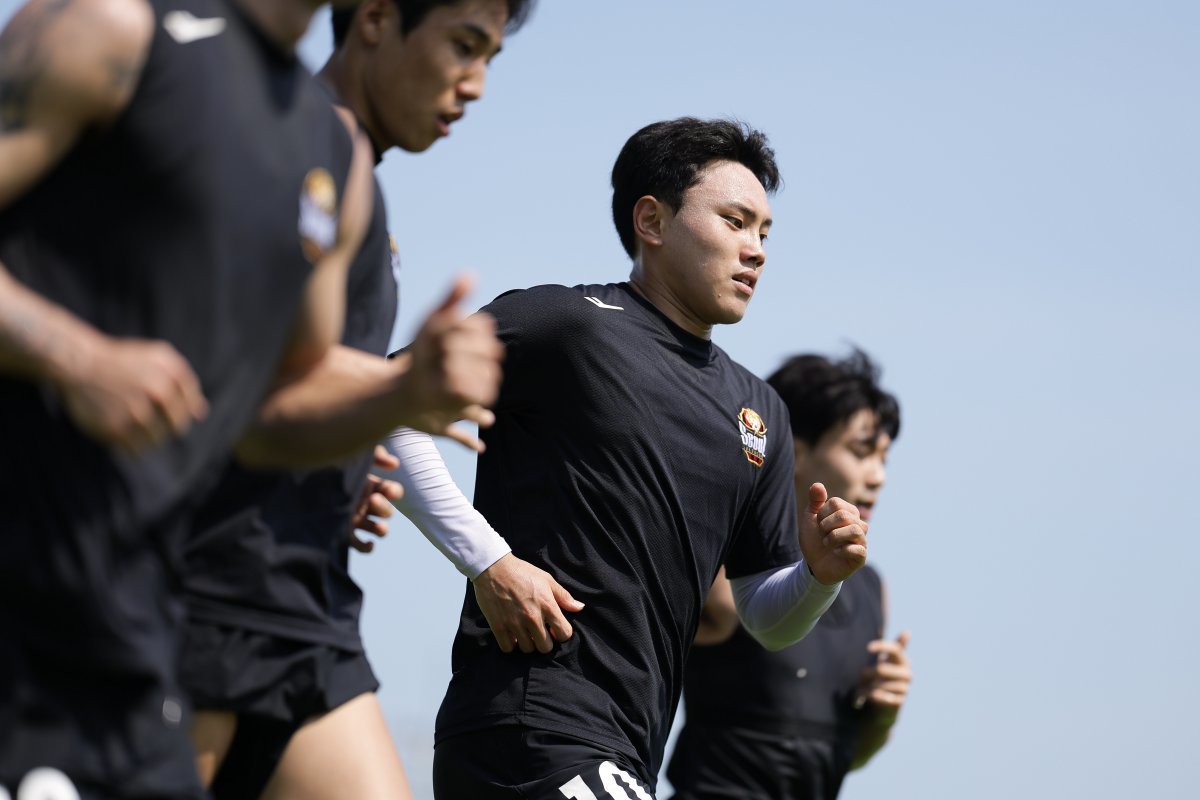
(273, 658)
(631, 457)
(152, 270)
(213, 210)
(789, 725)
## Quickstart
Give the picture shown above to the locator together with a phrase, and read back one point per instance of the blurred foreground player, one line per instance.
(273, 656)
(789, 725)
(177, 201)
(631, 457)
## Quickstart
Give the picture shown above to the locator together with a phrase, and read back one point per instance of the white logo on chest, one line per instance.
(186, 28)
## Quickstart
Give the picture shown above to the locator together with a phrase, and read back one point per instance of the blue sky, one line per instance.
(1000, 201)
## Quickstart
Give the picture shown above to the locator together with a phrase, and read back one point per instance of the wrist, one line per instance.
(72, 359)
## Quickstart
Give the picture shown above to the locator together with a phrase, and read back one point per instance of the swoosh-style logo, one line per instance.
(599, 304)
(185, 28)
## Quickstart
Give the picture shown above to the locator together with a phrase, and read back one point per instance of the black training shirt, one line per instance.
(630, 459)
(270, 549)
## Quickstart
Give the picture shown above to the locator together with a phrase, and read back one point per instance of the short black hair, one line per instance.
(412, 12)
(820, 394)
(664, 160)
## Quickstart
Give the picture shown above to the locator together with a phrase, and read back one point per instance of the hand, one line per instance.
(521, 602)
(455, 370)
(376, 501)
(833, 538)
(133, 393)
(885, 684)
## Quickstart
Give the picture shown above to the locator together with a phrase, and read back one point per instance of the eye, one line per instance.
(762, 238)
(736, 222)
(465, 48)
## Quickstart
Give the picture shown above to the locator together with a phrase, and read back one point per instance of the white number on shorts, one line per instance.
(576, 789)
(45, 783)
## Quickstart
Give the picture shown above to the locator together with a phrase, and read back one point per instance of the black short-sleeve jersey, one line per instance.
(807, 690)
(630, 459)
(269, 550)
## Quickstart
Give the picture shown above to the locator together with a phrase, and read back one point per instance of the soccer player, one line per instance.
(630, 459)
(178, 208)
(273, 657)
(789, 725)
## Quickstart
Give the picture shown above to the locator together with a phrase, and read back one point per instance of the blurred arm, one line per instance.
(718, 618)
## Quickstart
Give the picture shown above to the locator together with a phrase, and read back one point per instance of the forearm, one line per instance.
(344, 403)
(38, 339)
(433, 502)
(779, 607)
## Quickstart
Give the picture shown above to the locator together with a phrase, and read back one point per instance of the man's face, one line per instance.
(849, 459)
(419, 84)
(712, 247)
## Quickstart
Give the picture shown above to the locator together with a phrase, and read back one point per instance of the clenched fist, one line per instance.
(455, 369)
(833, 537)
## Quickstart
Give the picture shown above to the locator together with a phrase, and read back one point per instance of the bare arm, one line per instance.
(351, 399)
(67, 66)
(718, 618)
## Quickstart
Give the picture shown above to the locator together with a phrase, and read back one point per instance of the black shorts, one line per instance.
(511, 762)
(274, 685)
(721, 761)
(88, 662)
(108, 735)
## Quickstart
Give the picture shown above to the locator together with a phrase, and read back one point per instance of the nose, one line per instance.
(471, 86)
(876, 474)
(754, 252)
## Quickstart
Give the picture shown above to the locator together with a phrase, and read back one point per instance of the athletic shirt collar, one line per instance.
(698, 351)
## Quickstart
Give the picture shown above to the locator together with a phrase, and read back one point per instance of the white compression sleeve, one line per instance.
(433, 502)
(779, 607)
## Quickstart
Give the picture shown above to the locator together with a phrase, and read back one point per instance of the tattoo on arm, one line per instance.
(24, 58)
(123, 75)
(22, 61)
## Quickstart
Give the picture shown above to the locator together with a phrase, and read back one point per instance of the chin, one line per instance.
(731, 316)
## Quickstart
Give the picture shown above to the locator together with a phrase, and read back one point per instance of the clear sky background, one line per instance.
(1000, 201)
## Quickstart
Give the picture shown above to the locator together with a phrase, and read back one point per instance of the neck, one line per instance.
(659, 296)
(346, 78)
(284, 22)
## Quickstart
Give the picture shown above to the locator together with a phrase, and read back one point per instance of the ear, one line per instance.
(803, 452)
(650, 218)
(374, 20)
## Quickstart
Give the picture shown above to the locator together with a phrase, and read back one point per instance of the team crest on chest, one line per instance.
(754, 436)
(318, 214)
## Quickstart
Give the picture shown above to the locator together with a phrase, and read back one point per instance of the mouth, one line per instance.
(444, 121)
(746, 282)
(865, 510)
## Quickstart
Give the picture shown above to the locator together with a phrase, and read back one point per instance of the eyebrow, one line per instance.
(749, 212)
(484, 36)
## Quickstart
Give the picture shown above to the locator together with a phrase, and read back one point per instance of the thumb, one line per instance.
(384, 459)
(903, 638)
(564, 598)
(817, 496)
(459, 290)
